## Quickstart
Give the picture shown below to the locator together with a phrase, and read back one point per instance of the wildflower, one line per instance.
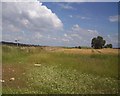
(12, 79)
(37, 65)
(2, 81)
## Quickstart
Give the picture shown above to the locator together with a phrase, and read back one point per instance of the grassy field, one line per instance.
(49, 70)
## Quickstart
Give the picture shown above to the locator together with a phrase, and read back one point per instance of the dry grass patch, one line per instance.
(89, 51)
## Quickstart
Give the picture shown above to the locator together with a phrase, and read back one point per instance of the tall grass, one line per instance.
(62, 72)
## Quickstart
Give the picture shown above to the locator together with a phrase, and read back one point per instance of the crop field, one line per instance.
(49, 70)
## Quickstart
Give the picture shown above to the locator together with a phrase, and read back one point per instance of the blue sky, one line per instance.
(87, 15)
(79, 0)
(60, 23)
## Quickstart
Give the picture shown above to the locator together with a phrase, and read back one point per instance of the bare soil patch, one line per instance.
(13, 75)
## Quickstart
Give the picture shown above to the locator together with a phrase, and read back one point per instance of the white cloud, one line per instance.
(113, 18)
(93, 32)
(0, 21)
(66, 6)
(90, 0)
(20, 0)
(76, 27)
(112, 39)
(30, 15)
(54, 38)
(65, 35)
(79, 17)
(84, 32)
(35, 23)
(79, 0)
(38, 35)
(65, 40)
(82, 17)
(78, 36)
(32, 18)
(70, 16)
(61, 0)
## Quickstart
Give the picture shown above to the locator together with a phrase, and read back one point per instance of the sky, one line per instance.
(60, 23)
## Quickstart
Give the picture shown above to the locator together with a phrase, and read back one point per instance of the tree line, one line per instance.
(96, 43)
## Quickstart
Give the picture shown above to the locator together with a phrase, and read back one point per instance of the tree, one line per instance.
(108, 46)
(79, 47)
(98, 42)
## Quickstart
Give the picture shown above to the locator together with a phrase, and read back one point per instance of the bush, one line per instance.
(108, 46)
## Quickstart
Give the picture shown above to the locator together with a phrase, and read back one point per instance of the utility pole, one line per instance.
(17, 42)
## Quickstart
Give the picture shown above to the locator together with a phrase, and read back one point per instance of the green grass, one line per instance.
(59, 72)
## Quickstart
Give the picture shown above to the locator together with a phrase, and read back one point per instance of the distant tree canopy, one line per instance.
(98, 42)
(108, 46)
(79, 47)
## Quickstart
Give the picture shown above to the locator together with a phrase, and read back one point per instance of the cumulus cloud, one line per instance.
(30, 17)
(85, 32)
(20, 0)
(114, 18)
(80, 36)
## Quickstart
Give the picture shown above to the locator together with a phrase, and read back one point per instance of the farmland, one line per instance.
(55, 70)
